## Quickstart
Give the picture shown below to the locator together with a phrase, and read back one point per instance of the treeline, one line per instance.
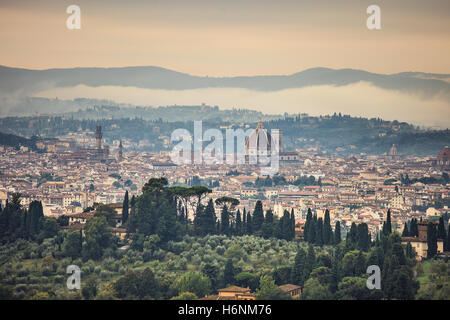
(17, 222)
(343, 275)
(367, 135)
(14, 141)
(318, 231)
(163, 211)
(30, 224)
(444, 179)
(280, 180)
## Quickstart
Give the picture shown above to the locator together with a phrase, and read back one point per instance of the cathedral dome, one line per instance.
(444, 154)
(393, 151)
(259, 141)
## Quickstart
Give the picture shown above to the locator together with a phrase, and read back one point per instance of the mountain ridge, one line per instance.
(29, 81)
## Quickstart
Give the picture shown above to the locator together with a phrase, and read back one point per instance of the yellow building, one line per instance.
(420, 243)
(231, 293)
(293, 290)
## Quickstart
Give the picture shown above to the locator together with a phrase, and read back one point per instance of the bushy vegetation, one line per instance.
(340, 134)
(168, 256)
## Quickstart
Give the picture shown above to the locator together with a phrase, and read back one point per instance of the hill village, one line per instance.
(73, 174)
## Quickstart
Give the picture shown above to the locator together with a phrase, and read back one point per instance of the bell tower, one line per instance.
(120, 153)
(98, 138)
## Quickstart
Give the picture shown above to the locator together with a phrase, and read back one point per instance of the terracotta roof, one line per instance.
(234, 289)
(289, 287)
(83, 215)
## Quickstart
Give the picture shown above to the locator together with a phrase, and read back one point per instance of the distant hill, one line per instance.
(339, 134)
(27, 82)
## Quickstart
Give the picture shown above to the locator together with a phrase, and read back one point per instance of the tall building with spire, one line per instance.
(120, 152)
(98, 138)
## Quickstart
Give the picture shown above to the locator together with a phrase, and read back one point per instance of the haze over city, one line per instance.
(225, 150)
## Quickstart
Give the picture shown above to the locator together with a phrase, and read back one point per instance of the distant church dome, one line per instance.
(444, 154)
(259, 141)
(393, 151)
(443, 157)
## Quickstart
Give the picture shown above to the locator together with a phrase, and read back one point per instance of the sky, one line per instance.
(228, 37)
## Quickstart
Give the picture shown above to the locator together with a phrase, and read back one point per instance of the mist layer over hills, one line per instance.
(420, 98)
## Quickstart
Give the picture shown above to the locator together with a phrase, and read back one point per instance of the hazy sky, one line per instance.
(228, 37)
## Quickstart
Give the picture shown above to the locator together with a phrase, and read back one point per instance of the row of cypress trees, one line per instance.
(17, 222)
(318, 231)
(244, 223)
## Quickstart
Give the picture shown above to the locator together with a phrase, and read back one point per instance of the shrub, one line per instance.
(105, 274)
(220, 250)
(23, 273)
(97, 270)
(59, 279)
(46, 271)
(20, 287)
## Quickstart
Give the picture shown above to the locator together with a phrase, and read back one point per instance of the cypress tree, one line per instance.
(125, 208)
(267, 228)
(363, 237)
(409, 251)
(210, 219)
(335, 274)
(398, 252)
(431, 240)
(198, 220)
(310, 262)
(24, 221)
(312, 230)
(337, 233)
(441, 234)
(360, 264)
(447, 243)
(292, 224)
(244, 222)
(286, 226)
(298, 268)
(352, 236)
(35, 216)
(249, 224)
(225, 221)
(29, 218)
(278, 227)
(132, 201)
(405, 232)
(414, 230)
(228, 273)
(319, 232)
(238, 223)
(327, 231)
(416, 226)
(258, 217)
(307, 227)
(388, 223)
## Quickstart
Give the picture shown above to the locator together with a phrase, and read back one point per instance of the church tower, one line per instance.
(98, 138)
(120, 152)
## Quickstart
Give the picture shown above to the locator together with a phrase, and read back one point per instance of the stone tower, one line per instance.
(120, 152)
(98, 138)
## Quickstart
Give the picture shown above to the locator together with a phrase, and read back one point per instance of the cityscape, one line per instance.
(146, 183)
